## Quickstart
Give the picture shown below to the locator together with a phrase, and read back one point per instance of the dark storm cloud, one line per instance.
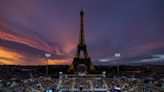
(134, 28)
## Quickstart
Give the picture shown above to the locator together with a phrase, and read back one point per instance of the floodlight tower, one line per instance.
(117, 55)
(47, 55)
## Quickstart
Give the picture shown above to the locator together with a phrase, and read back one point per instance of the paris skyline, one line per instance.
(31, 28)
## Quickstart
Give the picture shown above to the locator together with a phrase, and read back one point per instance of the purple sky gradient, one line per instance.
(134, 28)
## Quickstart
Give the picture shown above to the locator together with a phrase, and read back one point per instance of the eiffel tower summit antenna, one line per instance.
(84, 59)
(82, 5)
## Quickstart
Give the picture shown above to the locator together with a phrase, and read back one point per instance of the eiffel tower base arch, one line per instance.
(77, 61)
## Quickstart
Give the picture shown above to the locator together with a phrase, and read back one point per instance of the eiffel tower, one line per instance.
(84, 59)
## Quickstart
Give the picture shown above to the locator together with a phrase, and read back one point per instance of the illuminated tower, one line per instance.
(81, 56)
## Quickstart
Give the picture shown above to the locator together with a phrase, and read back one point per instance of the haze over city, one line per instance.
(31, 28)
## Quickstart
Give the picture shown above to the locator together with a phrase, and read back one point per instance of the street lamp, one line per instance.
(47, 56)
(118, 70)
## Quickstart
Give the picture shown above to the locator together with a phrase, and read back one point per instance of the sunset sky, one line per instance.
(31, 28)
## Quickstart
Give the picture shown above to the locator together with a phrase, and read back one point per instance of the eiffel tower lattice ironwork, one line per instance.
(85, 59)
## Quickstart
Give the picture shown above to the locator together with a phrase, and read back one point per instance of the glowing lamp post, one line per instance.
(47, 55)
(117, 55)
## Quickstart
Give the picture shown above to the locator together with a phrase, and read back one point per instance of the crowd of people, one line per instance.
(74, 84)
(65, 84)
(82, 82)
(125, 84)
(25, 80)
(28, 85)
(98, 83)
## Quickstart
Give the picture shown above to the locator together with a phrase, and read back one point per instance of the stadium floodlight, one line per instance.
(117, 55)
(47, 56)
